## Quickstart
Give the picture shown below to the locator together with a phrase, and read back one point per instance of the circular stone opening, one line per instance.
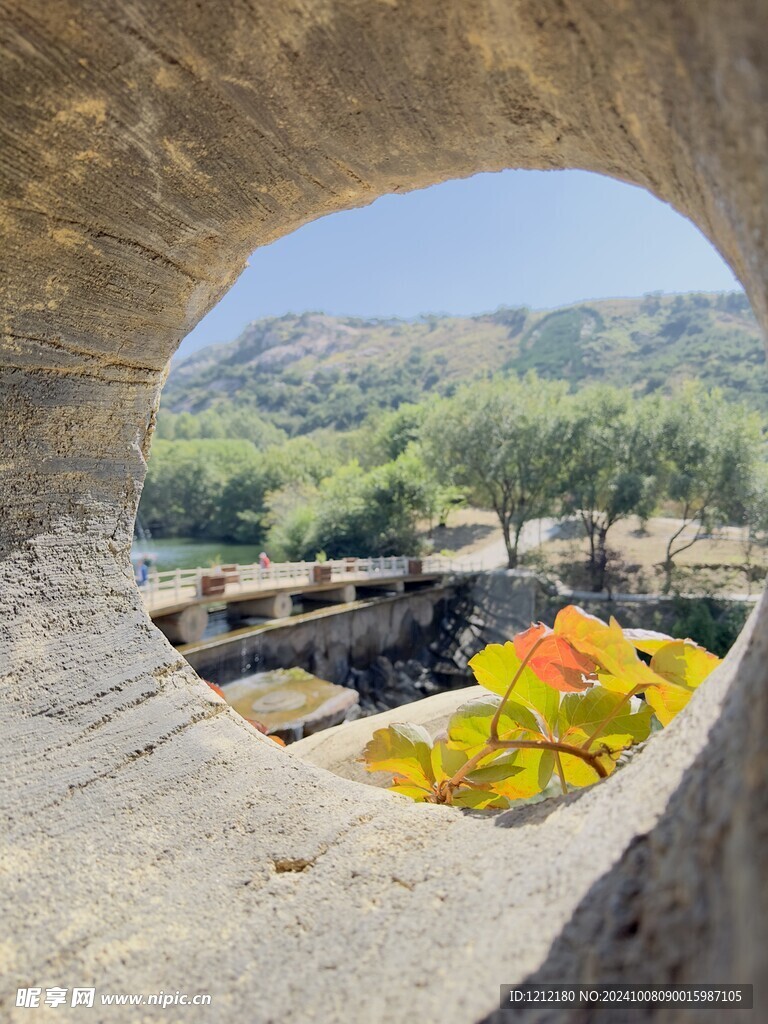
(147, 156)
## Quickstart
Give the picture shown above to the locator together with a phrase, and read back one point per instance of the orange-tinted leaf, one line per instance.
(529, 638)
(619, 667)
(586, 632)
(555, 661)
(215, 688)
(258, 726)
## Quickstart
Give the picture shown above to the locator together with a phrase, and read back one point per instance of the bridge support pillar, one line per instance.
(277, 607)
(372, 589)
(338, 595)
(185, 627)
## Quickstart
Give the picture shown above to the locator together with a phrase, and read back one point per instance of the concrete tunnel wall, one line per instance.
(153, 840)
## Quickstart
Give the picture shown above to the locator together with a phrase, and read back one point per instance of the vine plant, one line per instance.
(558, 703)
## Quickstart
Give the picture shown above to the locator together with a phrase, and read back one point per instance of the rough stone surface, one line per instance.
(151, 839)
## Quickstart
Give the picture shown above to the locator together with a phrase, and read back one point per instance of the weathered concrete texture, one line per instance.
(152, 840)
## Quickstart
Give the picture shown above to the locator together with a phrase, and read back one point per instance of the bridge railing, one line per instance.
(179, 585)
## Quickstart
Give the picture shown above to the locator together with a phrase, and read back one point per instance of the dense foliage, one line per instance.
(560, 703)
(525, 448)
(505, 442)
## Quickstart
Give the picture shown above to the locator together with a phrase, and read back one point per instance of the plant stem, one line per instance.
(560, 772)
(565, 748)
(473, 762)
(510, 688)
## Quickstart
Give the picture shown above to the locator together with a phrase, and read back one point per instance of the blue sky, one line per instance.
(532, 238)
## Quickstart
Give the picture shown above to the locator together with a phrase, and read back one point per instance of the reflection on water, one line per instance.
(184, 553)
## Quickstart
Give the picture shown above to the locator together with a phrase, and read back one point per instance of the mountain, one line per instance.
(302, 372)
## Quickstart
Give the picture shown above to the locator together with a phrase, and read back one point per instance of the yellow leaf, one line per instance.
(495, 666)
(667, 700)
(684, 662)
(646, 640)
(478, 799)
(413, 792)
(403, 749)
(576, 770)
(535, 771)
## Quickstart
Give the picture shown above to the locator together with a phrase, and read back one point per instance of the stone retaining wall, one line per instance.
(327, 643)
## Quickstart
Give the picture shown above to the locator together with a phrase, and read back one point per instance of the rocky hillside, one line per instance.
(313, 370)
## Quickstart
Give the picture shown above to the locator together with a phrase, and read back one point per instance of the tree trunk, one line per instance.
(601, 563)
(589, 529)
(509, 545)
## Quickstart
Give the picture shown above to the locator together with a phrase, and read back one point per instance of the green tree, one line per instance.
(713, 449)
(373, 513)
(292, 513)
(504, 442)
(754, 516)
(612, 465)
(184, 492)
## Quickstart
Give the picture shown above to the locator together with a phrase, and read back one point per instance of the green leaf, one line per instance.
(626, 722)
(503, 766)
(469, 727)
(403, 749)
(478, 799)
(539, 699)
(535, 769)
(495, 668)
(446, 760)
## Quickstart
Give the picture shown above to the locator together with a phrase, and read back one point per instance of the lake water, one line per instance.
(183, 553)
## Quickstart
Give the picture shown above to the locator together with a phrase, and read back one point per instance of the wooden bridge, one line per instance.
(178, 600)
